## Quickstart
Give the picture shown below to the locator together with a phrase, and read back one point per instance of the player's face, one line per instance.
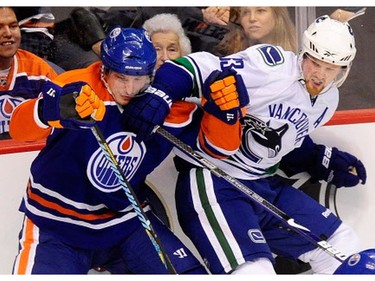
(167, 46)
(124, 87)
(10, 36)
(258, 23)
(318, 74)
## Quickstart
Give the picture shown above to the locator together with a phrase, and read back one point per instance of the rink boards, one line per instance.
(356, 206)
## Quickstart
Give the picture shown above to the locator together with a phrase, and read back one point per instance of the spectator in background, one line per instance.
(37, 28)
(36, 25)
(205, 26)
(254, 25)
(168, 37)
(216, 15)
(16, 69)
(74, 38)
(165, 30)
(347, 13)
(78, 37)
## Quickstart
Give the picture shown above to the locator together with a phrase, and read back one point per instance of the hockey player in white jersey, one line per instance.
(290, 96)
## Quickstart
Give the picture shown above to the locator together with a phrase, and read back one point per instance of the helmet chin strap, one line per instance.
(121, 108)
(105, 82)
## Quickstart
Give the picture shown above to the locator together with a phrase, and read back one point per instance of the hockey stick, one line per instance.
(133, 199)
(305, 232)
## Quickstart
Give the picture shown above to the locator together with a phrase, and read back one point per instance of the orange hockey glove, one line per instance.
(225, 95)
(89, 104)
(73, 106)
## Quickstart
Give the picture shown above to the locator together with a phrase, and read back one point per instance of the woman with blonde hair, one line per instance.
(168, 37)
(254, 25)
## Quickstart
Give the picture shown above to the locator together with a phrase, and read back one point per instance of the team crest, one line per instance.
(129, 155)
(271, 55)
(256, 236)
(262, 133)
(7, 105)
(115, 32)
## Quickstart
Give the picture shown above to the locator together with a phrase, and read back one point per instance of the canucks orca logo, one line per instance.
(263, 134)
(129, 155)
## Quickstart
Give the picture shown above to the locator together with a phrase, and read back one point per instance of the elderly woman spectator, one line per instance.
(168, 37)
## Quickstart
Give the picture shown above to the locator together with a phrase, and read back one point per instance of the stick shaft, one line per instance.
(303, 231)
(133, 199)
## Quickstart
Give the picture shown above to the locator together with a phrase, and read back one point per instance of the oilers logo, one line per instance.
(129, 155)
(7, 105)
(115, 32)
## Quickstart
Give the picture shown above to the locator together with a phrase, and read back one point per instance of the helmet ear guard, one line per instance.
(128, 51)
(330, 41)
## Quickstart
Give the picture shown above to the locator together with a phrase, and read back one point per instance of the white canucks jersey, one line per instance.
(280, 113)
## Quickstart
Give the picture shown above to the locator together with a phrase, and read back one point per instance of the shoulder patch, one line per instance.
(271, 55)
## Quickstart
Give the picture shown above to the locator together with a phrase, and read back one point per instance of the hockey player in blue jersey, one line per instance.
(290, 96)
(77, 216)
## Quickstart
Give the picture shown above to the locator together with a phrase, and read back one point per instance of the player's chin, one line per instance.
(313, 89)
(123, 100)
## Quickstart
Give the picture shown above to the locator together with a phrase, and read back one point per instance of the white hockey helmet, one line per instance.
(330, 41)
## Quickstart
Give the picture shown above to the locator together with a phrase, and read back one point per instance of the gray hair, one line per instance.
(169, 22)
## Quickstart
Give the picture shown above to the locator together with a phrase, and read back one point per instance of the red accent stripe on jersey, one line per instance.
(68, 212)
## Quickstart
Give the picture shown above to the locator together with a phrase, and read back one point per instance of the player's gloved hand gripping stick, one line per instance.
(225, 95)
(72, 106)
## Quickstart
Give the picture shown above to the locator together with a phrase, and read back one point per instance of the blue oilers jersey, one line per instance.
(84, 195)
(73, 192)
